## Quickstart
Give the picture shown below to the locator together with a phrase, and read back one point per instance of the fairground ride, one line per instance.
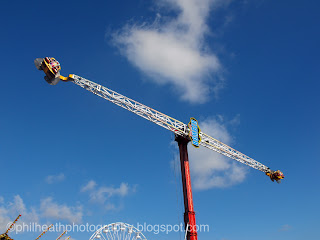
(118, 231)
(5, 235)
(184, 133)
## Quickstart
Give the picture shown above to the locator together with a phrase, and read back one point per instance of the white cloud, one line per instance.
(89, 186)
(51, 209)
(55, 178)
(103, 194)
(173, 50)
(211, 169)
(285, 228)
(10, 210)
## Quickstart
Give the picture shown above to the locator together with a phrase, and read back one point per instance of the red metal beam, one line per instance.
(189, 214)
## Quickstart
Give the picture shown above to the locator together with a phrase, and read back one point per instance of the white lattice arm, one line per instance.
(165, 121)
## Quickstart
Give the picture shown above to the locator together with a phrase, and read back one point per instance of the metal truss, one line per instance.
(215, 145)
(133, 106)
(118, 231)
(164, 121)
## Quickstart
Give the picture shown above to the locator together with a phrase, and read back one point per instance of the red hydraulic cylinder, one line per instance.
(189, 215)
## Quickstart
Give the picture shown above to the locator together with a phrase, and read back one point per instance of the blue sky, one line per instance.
(247, 70)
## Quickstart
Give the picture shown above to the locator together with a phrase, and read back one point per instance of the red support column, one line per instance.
(189, 215)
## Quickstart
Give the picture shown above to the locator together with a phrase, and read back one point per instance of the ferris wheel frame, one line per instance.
(118, 231)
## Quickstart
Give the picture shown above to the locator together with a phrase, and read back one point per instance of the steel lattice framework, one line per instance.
(177, 127)
(118, 231)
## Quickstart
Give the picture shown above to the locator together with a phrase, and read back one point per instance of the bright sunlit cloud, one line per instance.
(48, 209)
(54, 210)
(211, 169)
(173, 50)
(9, 210)
(55, 178)
(104, 194)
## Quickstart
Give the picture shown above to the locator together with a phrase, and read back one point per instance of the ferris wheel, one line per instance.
(118, 231)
